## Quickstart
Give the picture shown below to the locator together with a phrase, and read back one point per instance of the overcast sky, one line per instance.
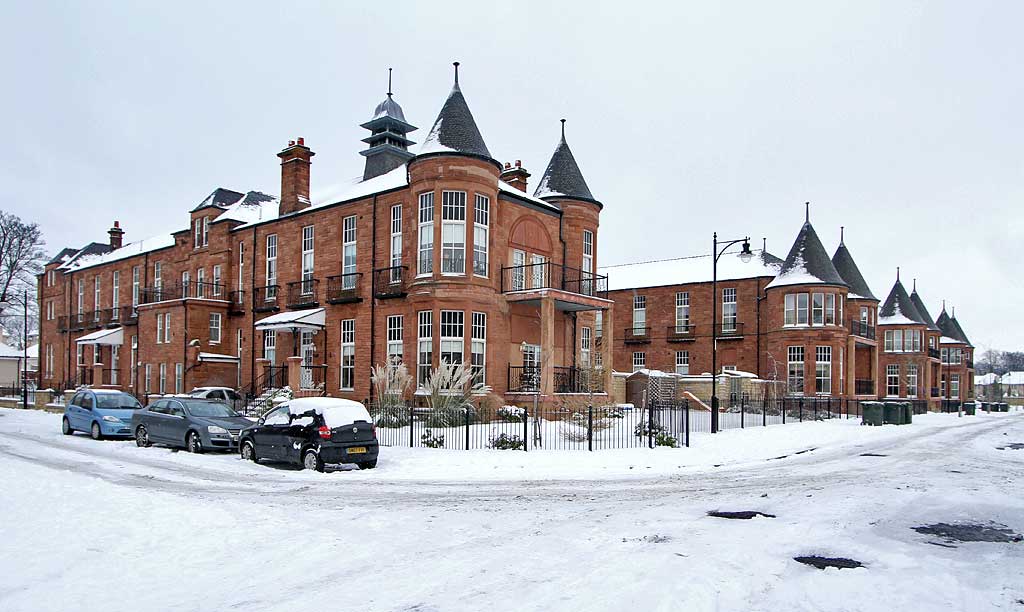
(899, 120)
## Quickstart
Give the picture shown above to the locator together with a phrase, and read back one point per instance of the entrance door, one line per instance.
(307, 351)
(531, 367)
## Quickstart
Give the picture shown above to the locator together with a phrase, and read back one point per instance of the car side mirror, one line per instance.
(261, 421)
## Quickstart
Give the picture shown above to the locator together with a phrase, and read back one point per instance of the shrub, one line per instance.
(392, 416)
(642, 431)
(451, 416)
(431, 441)
(512, 414)
(506, 441)
(664, 439)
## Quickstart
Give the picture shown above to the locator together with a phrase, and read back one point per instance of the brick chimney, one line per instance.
(515, 175)
(295, 161)
(116, 235)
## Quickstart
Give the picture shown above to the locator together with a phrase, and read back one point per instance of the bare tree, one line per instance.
(21, 255)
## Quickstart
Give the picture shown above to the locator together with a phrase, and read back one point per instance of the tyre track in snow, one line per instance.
(759, 476)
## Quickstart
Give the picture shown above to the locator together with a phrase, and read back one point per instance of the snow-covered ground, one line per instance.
(107, 526)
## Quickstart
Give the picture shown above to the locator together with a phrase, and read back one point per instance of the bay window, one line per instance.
(453, 232)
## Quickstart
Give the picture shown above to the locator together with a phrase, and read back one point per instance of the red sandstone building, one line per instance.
(428, 256)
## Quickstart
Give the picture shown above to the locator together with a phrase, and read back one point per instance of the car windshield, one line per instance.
(117, 400)
(210, 409)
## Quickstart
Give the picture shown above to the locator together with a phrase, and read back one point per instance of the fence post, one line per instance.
(764, 410)
(650, 426)
(782, 402)
(526, 436)
(467, 427)
(410, 426)
(686, 417)
(590, 428)
(801, 409)
(743, 414)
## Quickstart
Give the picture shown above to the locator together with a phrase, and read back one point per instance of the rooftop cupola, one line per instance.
(808, 262)
(387, 144)
(848, 270)
(562, 178)
(455, 131)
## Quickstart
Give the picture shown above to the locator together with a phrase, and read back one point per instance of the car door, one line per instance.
(74, 412)
(270, 436)
(86, 404)
(176, 423)
(294, 437)
(154, 420)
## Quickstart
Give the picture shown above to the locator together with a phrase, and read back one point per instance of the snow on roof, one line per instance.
(255, 207)
(432, 143)
(797, 275)
(695, 269)
(131, 249)
(506, 188)
(9, 352)
(1012, 378)
(948, 340)
(987, 379)
(897, 319)
(336, 412)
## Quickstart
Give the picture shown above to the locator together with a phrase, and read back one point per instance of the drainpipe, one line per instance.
(759, 299)
(252, 314)
(373, 299)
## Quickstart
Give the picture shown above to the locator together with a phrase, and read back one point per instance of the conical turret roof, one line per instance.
(951, 328)
(960, 332)
(899, 309)
(922, 310)
(807, 263)
(562, 177)
(455, 129)
(848, 269)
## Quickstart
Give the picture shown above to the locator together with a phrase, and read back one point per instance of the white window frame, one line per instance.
(453, 336)
(308, 261)
(395, 338)
(395, 243)
(425, 241)
(349, 252)
(347, 362)
(215, 327)
(201, 283)
(912, 380)
(159, 329)
(81, 299)
(518, 270)
(730, 311)
(135, 285)
(639, 361)
(481, 235)
(817, 309)
(823, 370)
(115, 294)
(830, 308)
(478, 347)
(682, 362)
(216, 290)
(639, 315)
(270, 294)
(682, 312)
(453, 233)
(270, 346)
(96, 298)
(167, 327)
(892, 380)
(796, 374)
(179, 378)
(424, 346)
(147, 383)
(586, 345)
(162, 388)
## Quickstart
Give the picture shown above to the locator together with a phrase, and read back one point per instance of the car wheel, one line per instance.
(248, 452)
(311, 461)
(65, 427)
(193, 443)
(142, 437)
(96, 432)
(367, 465)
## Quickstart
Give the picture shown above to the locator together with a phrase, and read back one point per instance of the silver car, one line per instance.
(193, 424)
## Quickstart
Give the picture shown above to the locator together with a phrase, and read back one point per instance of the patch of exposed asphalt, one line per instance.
(824, 562)
(740, 514)
(970, 532)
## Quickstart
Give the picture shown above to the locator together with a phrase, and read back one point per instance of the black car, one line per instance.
(312, 432)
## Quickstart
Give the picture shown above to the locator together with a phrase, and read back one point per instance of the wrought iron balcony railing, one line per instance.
(344, 288)
(390, 282)
(636, 335)
(304, 293)
(548, 275)
(862, 329)
(681, 333)
(265, 298)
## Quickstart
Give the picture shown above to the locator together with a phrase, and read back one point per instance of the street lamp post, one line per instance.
(744, 256)
(24, 353)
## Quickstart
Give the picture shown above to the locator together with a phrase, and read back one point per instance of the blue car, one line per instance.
(101, 412)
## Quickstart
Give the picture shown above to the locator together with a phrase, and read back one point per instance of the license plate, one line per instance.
(356, 450)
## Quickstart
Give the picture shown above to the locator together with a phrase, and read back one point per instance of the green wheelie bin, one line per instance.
(893, 413)
(908, 413)
(871, 413)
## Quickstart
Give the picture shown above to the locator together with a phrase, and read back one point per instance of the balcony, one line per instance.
(303, 294)
(548, 275)
(728, 331)
(236, 303)
(390, 282)
(934, 353)
(523, 379)
(344, 288)
(96, 319)
(62, 324)
(681, 333)
(636, 335)
(265, 298)
(161, 293)
(862, 329)
(577, 380)
(969, 363)
(125, 315)
(203, 290)
(864, 387)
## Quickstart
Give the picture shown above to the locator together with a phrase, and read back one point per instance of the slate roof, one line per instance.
(220, 198)
(93, 248)
(922, 310)
(848, 269)
(807, 263)
(64, 255)
(899, 308)
(771, 260)
(562, 177)
(951, 328)
(455, 130)
(960, 333)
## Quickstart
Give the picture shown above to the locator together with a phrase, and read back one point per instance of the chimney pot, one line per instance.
(291, 143)
(302, 141)
(507, 165)
(519, 164)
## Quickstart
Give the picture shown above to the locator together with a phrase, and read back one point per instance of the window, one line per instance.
(912, 380)
(538, 272)
(167, 327)
(729, 310)
(683, 312)
(81, 355)
(81, 299)
(50, 278)
(817, 309)
(639, 315)
(585, 345)
(823, 370)
(146, 383)
(163, 379)
(49, 361)
(425, 256)
(135, 285)
(238, 343)
(639, 361)
(201, 283)
(452, 335)
(241, 271)
(830, 309)
(348, 354)
(894, 341)
(892, 380)
(598, 323)
(396, 242)
(96, 298)
(795, 372)
(864, 315)
(49, 310)
(271, 293)
(197, 234)
(518, 270)
(216, 289)
(214, 328)
(588, 254)
(954, 386)
(348, 252)
(796, 308)
(179, 372)
(478, 347)
(424, 346)
(134, 365)
(115, 293)
(186, 284)
(206, 231)
(159, 329)
(307, 260)
(481, 234)
(270, 346)
(453, 232)
(682, 362)
(158, 279)
(394, 346)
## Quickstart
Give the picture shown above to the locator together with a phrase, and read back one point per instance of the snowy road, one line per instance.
(108, 526)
